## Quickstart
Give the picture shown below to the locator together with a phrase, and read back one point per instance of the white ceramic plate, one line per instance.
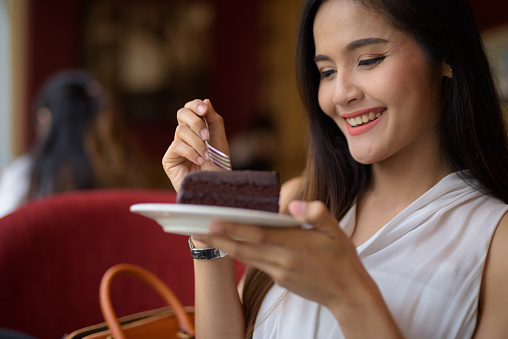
(194, 219)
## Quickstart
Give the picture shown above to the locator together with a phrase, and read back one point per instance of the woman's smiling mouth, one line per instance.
(362, 121)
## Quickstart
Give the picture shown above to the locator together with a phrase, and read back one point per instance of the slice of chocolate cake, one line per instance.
(256, 190)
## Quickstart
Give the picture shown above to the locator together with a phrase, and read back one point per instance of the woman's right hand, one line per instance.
(187, 152)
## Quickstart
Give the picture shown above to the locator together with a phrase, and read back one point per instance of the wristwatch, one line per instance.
(205, 253)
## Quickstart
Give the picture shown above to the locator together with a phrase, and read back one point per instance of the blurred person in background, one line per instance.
(75, 145)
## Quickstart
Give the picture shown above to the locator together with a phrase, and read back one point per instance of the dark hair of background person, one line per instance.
(472, 128)
(79, 143)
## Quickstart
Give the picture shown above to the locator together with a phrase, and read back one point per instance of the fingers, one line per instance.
(316, 214)
(246, 243)
(216, 127)
(191, 131)
(188, 151)
(255, 242)
(314, 263)
(202, 108)
(279, 252)
(184, 134)
(181, 150)
(190, 115)
(211, 115)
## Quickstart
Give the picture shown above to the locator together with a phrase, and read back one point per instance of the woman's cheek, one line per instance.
(325, 99)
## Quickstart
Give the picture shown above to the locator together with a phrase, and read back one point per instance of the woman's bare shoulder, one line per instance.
(493, 320)
(290, 190)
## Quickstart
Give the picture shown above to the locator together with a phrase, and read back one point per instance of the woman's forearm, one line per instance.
(366, 316)
(219, 311)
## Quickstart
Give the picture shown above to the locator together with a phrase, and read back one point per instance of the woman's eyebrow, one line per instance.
(365, 42)
(354, 45)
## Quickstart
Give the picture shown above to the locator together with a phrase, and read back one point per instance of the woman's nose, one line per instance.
(346, 90)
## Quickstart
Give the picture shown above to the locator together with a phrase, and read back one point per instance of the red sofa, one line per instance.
(54, 252)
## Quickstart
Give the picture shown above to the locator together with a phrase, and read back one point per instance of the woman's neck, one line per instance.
(395, 184)
(403, 178)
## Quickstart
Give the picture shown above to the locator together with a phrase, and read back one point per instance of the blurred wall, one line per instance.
(490, 13)
(52, 45)
(54, 42)
(278, 88)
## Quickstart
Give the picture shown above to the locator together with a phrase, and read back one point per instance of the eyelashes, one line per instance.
(327, 74)
(371, 61)
(364, 64)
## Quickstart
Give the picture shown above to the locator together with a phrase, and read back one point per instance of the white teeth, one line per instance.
(363, 119)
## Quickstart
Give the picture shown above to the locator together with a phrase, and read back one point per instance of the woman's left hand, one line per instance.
(320, 264)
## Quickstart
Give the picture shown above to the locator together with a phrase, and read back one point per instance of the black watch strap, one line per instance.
(205, 253)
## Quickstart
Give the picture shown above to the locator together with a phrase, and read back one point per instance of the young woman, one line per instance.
(406, 186)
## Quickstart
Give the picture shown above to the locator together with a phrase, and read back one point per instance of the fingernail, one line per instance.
(206, 155)
(202, 108)
(204, 134)
(298, 207)
(200, 160)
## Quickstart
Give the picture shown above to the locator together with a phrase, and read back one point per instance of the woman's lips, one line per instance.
(362, 121)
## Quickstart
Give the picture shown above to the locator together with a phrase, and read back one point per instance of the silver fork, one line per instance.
(218, 158)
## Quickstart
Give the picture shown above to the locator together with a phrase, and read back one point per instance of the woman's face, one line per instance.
(376, 83)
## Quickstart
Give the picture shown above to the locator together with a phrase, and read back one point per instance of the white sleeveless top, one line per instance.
(427, 262)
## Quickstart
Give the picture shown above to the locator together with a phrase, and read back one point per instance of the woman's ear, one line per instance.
(446, 70)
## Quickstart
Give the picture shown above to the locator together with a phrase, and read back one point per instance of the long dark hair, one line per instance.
(60, 160)
(472, 130)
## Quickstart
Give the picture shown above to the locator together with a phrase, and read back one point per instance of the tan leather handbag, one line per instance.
(173, 322)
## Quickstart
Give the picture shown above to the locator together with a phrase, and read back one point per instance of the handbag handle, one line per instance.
(153, 281)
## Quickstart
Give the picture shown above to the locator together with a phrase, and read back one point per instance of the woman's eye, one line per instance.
(370, 62)
(328, 73)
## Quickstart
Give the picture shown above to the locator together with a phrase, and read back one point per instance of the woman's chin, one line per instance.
(365, 157)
